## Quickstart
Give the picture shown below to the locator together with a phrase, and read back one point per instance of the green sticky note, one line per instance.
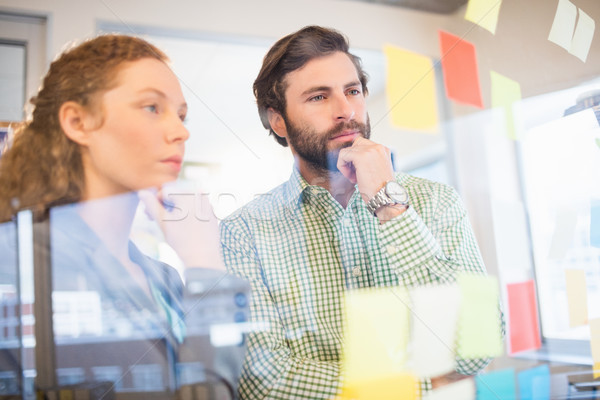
(479, 333)
(505, 92)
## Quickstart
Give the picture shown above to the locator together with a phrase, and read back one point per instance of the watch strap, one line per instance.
(379, 200)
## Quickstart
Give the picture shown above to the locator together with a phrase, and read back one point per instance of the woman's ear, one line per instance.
(277, 123)
(75, 122)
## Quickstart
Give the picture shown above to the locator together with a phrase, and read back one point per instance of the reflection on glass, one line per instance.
(561, 165)
(109, 330)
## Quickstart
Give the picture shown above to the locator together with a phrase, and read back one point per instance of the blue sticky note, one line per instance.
(595, 224)
(534, 383)
(496, 385)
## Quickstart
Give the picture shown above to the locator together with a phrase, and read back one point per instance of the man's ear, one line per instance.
(75, 122)
(277, 123)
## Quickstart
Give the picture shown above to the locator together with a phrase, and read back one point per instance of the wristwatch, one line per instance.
(390, 194)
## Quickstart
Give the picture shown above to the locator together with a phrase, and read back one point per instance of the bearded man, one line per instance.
(344, 220)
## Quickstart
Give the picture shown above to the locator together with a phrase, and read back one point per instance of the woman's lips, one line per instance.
(174, 162)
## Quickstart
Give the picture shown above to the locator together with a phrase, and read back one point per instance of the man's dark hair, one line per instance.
(290, 53)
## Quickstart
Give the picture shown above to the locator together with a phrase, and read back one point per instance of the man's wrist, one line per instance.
(389, 212)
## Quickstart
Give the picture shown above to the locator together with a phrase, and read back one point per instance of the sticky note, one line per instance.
(479, 328)
(496, 385)
(595, 345)
(564, 231)
(484, 13)
(582, 38)
(576, 297)
(400, 386)
(563, 26)
(459, 65)
(377, 334)
(534, 383)
(523, 317)
(463, 390)
(505, 92)
(434, 318)
(411, 90)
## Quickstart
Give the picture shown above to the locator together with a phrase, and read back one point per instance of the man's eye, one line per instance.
(317, 98)
(354, 92)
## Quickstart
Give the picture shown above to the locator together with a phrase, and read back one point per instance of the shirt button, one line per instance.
(391, 250)
(356, 272)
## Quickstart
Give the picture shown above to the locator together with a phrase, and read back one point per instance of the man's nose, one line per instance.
(343, 109)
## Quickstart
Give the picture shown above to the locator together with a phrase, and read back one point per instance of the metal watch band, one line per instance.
(379, 200)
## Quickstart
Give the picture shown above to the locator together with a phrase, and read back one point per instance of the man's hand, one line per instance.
(369, 165)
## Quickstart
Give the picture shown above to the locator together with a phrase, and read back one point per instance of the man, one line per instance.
(344, 220)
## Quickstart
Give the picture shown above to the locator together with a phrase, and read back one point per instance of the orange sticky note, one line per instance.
(595, 344)
(459, 65)
(523, 317)
(576, 297)
(411, 90)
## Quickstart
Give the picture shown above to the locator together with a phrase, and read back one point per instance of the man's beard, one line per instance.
(312, 146)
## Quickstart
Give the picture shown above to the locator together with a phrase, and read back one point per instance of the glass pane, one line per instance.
(130, 325)
(561, 172)
(16, 320)
(12, 81)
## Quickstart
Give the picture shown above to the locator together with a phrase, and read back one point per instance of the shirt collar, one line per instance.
(298, 190)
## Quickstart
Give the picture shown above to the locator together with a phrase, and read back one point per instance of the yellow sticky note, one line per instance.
(595, 344)
(479, 331)
(576, 297)
(401, 386)
(484, 13)
(376, 335)
(411, 90)
(505, 92)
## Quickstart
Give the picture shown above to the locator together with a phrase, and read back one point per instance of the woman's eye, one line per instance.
(183, 118)
(152, 108)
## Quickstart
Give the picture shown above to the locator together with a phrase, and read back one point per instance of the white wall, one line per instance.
(519, 50)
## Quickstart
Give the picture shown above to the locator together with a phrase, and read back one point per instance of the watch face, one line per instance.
(396, 192)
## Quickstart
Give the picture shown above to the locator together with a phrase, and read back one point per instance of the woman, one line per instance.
(107, 123)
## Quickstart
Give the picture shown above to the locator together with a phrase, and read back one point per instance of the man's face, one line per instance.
(326, 110)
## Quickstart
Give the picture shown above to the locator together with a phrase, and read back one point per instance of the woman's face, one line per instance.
(141, 141)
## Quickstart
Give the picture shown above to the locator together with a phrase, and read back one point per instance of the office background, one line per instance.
(216, 48)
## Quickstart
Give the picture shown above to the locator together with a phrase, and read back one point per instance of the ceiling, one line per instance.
(434, 6)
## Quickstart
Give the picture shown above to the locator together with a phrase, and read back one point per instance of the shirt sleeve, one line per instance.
(271, 370)
(431, 242)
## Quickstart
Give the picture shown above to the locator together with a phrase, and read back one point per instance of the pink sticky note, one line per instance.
(523, 317)
(459, 64)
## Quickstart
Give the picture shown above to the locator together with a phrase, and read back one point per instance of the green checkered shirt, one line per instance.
(301, 251)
